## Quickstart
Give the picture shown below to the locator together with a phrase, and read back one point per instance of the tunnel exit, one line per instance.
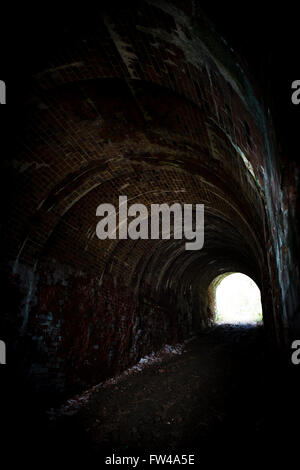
(237, 300)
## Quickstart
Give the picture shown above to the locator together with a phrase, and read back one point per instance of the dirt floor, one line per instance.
(224, 398)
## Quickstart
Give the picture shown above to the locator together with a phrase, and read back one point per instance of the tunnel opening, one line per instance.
(236, 299)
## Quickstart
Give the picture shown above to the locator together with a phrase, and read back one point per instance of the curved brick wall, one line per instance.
(150, 103)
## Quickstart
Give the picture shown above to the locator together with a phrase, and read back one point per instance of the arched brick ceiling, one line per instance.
(137, 103)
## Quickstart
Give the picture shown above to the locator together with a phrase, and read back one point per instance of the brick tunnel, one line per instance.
(147, 102)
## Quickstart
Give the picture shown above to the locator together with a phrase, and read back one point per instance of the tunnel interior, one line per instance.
(129, 295)
(109, 115)
(147, 102)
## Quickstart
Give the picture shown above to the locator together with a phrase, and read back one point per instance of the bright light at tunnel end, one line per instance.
(238, 300)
